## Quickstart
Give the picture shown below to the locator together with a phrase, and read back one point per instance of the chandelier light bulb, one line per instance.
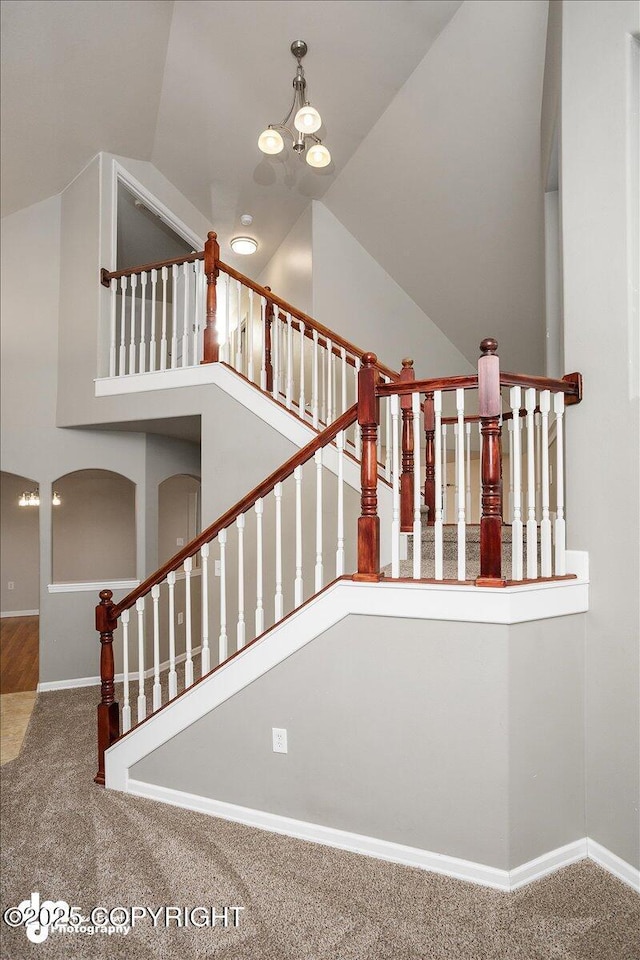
(307, 119)
(270, 142)
(23, 501)
(55, 500)
(318, 156)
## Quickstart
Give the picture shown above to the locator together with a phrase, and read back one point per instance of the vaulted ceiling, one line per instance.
(431, 112)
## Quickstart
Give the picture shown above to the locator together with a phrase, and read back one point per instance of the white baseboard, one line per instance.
(74, 682)
(613, 864)
(19, 613)
(480, 873)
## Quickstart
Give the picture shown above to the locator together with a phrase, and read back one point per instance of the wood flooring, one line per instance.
(18, 654)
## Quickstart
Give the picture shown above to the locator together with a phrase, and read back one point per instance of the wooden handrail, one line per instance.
(304, 317)
(570, 385)
(281, 473)
(106, 276)
(426, 386)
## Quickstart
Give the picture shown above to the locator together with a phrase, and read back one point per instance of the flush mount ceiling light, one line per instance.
(306, 121)
(244, 245)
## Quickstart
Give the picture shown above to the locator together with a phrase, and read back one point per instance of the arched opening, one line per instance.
(178, 513)
(20, 594)
(94, 527)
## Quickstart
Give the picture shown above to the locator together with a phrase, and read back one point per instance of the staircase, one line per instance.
(353, 504)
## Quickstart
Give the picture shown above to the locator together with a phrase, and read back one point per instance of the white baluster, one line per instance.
(122, 353)
(263, 351)
(188, 664)
(205, 665)
(439, 481)
(334, 381)
(289, 370)
(142, 348)
(174, 317)
(197, 310)
(510, 500)
(132, 331)
(330, 416)
(275, 351)
(223, 652)
(445, 476)
(279, 599)
(417, 486)
(516, 523)
(113, 288)
(241, 628)
(479, 470)
(319, 573)
(185, 318)
(340, 540)
(157, 690)
(460, 489)
(225, 340)
(532, 526)
(259, 508)
(173, 676)
(302, 400)
(239, 357)
(142, 700)
(456, 457)
(315, 400)
(343, 382)
(545, 526)
(467, 430)
(358, 435)
(298, 586)
(323, 385)
(395, 522)
(538, 462)
(250, 337)
(388, 446)
(126, 706)
(152, 338)
(559, 525)
(164, 274)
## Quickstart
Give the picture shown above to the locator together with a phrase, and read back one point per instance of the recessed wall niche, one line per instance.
(94, 528)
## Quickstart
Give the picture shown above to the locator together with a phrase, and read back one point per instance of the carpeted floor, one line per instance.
(68, 839)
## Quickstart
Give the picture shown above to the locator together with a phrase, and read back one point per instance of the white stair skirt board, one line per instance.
(480, 873)
(47, 685)
(19, 613)
(468, 604)
(249, 395)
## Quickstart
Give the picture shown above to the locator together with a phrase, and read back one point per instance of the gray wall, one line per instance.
(19, 562)
(424, 733)
(603, 454)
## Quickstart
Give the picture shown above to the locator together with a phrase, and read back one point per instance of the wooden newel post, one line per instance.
(406, 477)
(369, 521)
(108, 710)
(211, 347)
(490, 408)
(430, 458)
(268, 366)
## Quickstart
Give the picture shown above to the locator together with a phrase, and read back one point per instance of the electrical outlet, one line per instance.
(180, 542)
(279, 740)
(180, 618)
(217, 568)
(10, 585)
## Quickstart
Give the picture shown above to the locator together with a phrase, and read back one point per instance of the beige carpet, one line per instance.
(71, 840)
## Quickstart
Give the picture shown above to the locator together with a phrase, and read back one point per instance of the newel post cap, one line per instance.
(488, 347)
(212, 235)
(369, 359)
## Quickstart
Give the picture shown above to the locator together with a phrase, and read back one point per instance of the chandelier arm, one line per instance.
(291, 109)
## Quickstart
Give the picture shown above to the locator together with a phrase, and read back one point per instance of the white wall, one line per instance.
(356, 297)
(288, 273)
(603, 455)
(19, 552)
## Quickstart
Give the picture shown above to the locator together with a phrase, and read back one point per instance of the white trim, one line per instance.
(96, 586)
(48, 685)
(613, 864)
(118, 172)
(20, 613)
(440, 863)
(415, 600)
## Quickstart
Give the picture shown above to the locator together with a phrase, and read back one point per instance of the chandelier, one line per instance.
(306, 121)
(31, 498)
